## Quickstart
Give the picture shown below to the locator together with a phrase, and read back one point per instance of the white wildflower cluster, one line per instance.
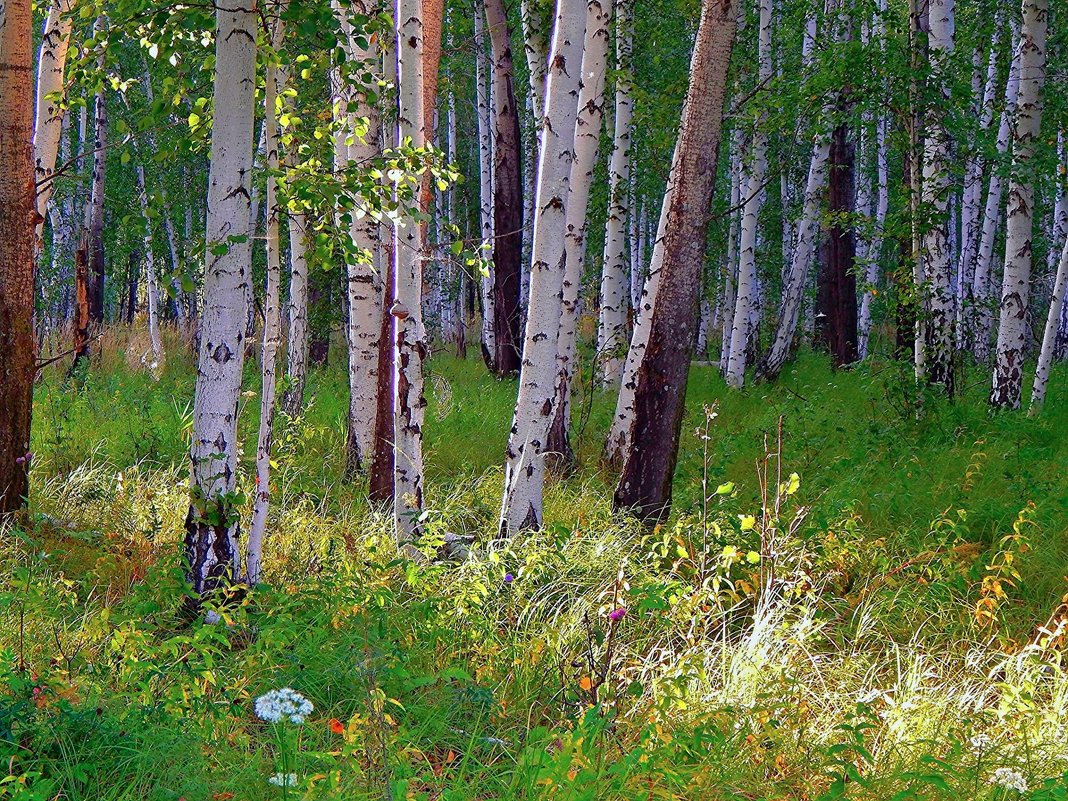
(283, 780)
(278, 706)
(1009, 779)
(980, 742)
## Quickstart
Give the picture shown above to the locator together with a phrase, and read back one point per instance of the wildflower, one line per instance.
(508, 578)
(283, 780)
(980, 742)
(617, 613)
(336, 726)
(284, 704)
(1009, 779)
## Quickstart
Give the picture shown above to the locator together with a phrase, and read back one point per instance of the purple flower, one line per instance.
(508, 578)
(617, 614)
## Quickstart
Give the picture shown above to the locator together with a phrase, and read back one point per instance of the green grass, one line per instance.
(865, 671)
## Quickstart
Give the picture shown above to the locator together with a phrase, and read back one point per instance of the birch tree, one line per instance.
(524, 472)
(409, 404)
(615, 279)
(364, 295)
(1012, 328)
(937, 254)
(485, 182)
(213, 521)
(992, 210)
(587, 140)
(48, 118)
(17, 244)
(272, 315)
(151, 282)
(678, 254)
(1049, 333)
(752, 198)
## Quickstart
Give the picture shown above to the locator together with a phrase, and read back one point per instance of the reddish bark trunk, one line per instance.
(18, 221)
(837, 286)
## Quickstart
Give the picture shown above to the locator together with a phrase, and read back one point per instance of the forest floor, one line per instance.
(887, 624)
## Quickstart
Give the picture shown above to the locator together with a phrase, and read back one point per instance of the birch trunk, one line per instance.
(17, 245)
(272, 316)
(587, 140)
(524, 477)
(364, 295)
(741, 328)
(150, 276)
(937, 253)
(730, 277)
(95, 210)
(409, 404)
(213, 521)
(1012, 329)
(535, 48)
(984, 259)
(1049, 335)
(678, 256)
(485, 177)
(972, 203)
(615, 278)
(804, 250)
(48, 119)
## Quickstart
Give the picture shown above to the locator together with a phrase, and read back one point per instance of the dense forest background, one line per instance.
(574, 400)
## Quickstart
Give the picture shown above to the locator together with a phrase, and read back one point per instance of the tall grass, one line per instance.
(592, 660)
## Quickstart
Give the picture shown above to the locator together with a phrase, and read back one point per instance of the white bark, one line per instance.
(972, 202)
(730, 276)
(618, 443)
(150, 276)
(521, 507)
(587, 140)
(1049, 335)
(992, 210)
(535, 49)
(1012, 329)
(937, 254)
(298, 334)
(409, 404)
(803, 254)
(747, 297)
(615, 281)
(485, 179)
(272, 317)
(48, 120)
(212, 525)
(364, 294)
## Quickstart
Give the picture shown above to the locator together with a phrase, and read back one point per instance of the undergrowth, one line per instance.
(871, 607)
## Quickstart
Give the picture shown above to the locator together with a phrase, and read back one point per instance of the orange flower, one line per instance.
(336, 726)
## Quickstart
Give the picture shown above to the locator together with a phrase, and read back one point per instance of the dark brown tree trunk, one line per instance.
(82, 292)
(18, 220)
(660, 382)
(836, 298)
(380, 474)
(134, 282)
(319, 319)
(507, 198)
